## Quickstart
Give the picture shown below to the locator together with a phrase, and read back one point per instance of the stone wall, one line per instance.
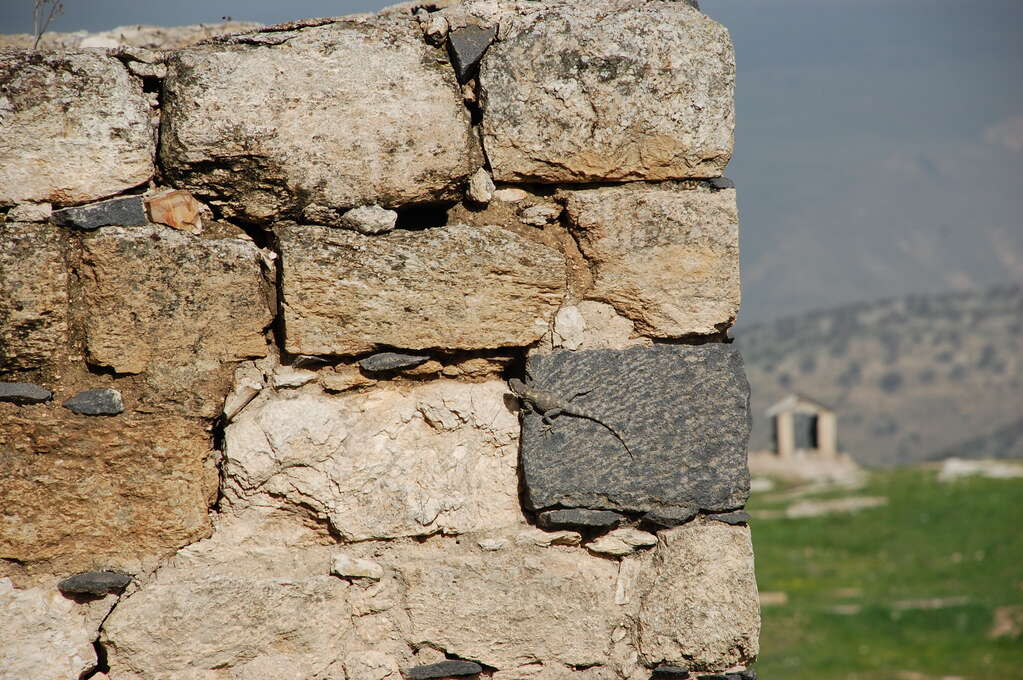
(259, 300)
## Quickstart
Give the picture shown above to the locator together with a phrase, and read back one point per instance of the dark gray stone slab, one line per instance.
(684, 411)
(737, 517)
(97, 583)
(667, 672)
(748, 674)
(128, 211)
(579, 518)
(24, 393)
(101, 402)
(467, 46)
(671, 516)
(444, 669)
(720, 183)
(392, 361)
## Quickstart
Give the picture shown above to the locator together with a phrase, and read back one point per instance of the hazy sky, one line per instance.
(879, 143)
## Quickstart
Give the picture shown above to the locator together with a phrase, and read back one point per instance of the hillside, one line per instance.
(912, 379)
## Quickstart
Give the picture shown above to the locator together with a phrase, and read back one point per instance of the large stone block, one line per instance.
(668, 259)
(457, 287)
(512, 607)
(343, 114)
(699, 603)
(609, 91)
(47, 636)
(393, 462)
(33, 296)
(683, 411)
(74, 127)
(84, 493)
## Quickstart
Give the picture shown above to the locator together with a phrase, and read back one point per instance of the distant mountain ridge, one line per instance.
(912, 379)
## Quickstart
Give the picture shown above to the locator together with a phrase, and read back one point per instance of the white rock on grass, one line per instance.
(437, 457)
(608, 91)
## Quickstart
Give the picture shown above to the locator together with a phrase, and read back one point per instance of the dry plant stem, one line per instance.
(39, 25)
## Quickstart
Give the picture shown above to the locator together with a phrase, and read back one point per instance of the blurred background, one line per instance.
(879, 162)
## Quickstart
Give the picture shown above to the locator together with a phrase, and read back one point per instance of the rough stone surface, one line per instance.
(74, 127)
(699, 598)
(579, 518)
(351, 567)
(439, 457)
(370, 219)
(175, 208)
(24, 393)
(553, 605)
(33, 296)
(128, 211)
(99, 493)
(592, 325)
(97, 402)
(98, 583)
(467, 46)
(621, 541)
(157, 295)
(45, 635)
(684, 411)
(30, 212)
(737, 517)
(346, 293)
(618, 90)
(444, 669)
(481, 187)
(668, 259)
(665, 671)
(671, 517)
(365, 112)
(392, 361)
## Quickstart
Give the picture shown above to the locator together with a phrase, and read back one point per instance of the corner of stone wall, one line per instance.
(377, 347)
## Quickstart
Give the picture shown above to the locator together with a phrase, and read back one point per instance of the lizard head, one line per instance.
(517, 386)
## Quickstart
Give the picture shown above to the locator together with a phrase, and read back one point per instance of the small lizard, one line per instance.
(550, 406)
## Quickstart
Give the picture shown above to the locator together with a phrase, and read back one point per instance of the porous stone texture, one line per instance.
(158, 295)
(699, 598)
(438, 457)
(346, 293)
(97, 493)
(610, 91)
(683, 410)
(33, 296)
(664, 257)
(129, 211)
(45, 635)
(364, 111)
(74, 127)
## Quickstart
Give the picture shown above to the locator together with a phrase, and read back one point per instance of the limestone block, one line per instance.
(456, 286)
(74, 127)
(342, 114)
(683, 411)
(96, 493)
(511, 607)
(609, 91)
(439, 457)
(33, 296)
(621, 541)
(667, 259)
(699, 600)
(45, 635)
(155, 294)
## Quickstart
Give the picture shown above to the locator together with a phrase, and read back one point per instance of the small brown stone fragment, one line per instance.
(175, 208)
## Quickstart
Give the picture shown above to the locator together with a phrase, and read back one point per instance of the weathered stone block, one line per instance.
(668, 259)
(156, 295)
(439, 457)
(127, 211)
(698, 598)
(617, 90)
(24, 393)
(75, 128)
(683, 410)
(89, 493)
(449, 287)
(345, 114)
(33, 296)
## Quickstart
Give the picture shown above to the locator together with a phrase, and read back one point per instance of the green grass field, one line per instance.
(908, 590)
